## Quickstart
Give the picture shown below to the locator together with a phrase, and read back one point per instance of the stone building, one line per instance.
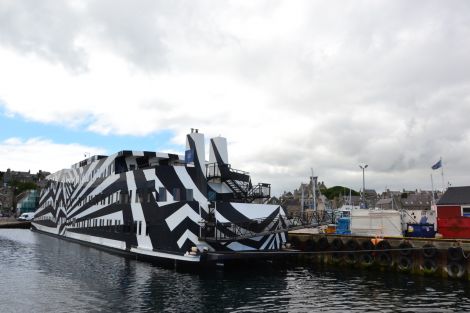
(6, 198)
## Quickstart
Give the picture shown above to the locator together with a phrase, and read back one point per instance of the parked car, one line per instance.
(26, 216)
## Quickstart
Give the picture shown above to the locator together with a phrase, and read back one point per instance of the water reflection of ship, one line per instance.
(99, 280)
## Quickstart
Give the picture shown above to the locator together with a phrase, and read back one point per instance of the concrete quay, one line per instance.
(447, 258)
(13, 223)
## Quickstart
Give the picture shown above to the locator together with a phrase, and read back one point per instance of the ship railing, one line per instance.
(212, 170)
(229, 231)
(261, 190)
(217, 170)
(312, 218)
(235, 230)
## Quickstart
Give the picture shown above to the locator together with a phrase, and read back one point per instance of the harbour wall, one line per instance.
(14, 224)
(447, 258)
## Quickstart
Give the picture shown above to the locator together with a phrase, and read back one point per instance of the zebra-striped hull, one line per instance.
(157, 205)
(106, 213)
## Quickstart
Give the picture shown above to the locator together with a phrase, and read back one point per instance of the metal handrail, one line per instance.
(228, 166)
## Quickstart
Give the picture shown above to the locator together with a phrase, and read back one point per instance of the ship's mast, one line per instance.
(314, 188)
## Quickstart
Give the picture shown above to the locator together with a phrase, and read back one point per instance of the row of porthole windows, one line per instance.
(45, 218)
(111, 225)
(139, 197)
(126, 197)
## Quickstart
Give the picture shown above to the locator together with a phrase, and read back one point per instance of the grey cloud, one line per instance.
(47, 28)
(382, 82)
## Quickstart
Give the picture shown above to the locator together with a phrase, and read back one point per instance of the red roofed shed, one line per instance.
(453, 213)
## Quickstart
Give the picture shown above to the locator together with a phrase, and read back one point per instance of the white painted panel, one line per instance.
(236, 246)
(254, 210)
(187, 235)
(176, 218)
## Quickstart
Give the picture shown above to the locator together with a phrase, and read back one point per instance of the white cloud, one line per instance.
(36, 154)
(292, 85)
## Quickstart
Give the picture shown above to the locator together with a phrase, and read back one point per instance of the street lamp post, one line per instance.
(363, 184)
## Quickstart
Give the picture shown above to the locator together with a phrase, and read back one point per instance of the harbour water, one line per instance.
(39, 273)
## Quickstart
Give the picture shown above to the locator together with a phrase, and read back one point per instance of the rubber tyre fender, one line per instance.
(429, 266)
(455, 269)
(367, 259)
(384, 258)
(384, 245)
(336, 245)
(352, 245)
(405, 263)
(455, 254)
(429, 251)
(367, 245)
(352, 256)
(406, 246)
(323, 244)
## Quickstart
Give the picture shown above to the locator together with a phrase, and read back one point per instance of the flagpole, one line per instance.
(442, 174)
(432, 188)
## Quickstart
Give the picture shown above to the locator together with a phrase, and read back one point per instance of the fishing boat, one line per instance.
(164, 207)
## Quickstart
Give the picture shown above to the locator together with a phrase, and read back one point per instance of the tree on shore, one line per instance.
(20, 187)
(338, 191)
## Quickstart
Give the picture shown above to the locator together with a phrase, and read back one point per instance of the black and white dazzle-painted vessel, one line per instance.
(164, 206)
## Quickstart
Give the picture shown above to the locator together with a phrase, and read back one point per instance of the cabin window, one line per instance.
(189, 195)
(162, 194)
(147, 228)
(124, 198)
(140, 227)
(466, 211)
(211, 196)
(176, 194)
(130, 195)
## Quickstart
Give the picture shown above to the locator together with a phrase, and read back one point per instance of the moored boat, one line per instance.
(164, 207)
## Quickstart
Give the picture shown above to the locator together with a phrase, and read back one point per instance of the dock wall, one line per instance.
(447, 258)
(15, 224)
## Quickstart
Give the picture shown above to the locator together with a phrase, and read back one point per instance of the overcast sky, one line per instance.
(293, 85)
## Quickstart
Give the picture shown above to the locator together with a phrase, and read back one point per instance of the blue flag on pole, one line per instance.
(437, 165)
